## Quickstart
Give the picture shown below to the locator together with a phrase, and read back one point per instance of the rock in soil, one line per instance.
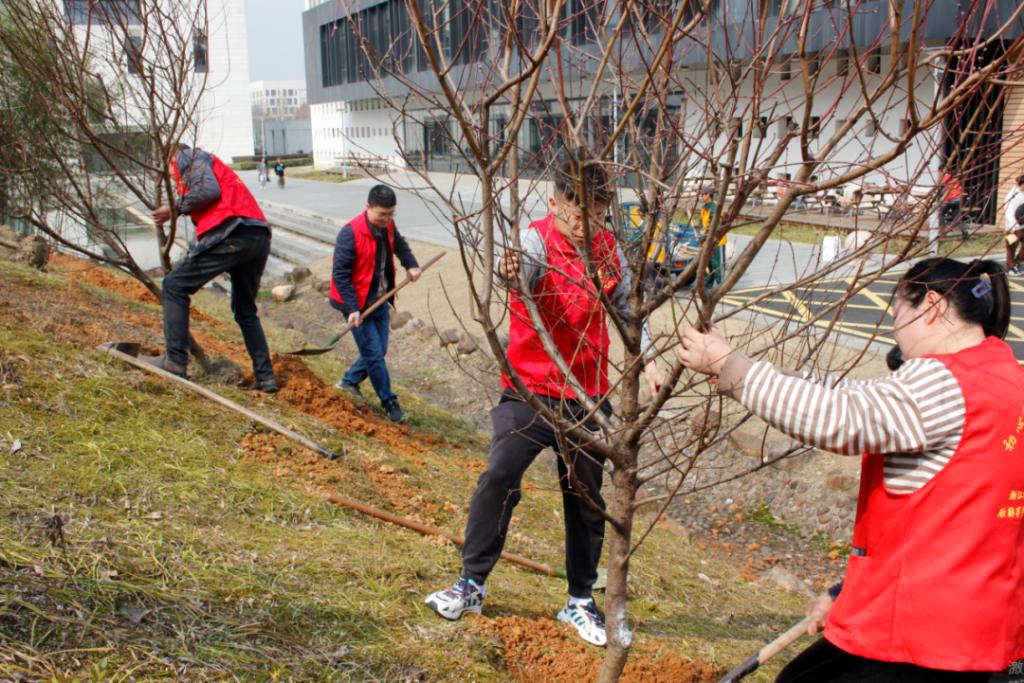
(466, 345)
(399, 319)
(449, 337)
(299, 274)
(783, 579)
(33, 250)
(283, 293)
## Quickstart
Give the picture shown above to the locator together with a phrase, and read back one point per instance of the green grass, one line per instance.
(323, 176)
(975, 245)
(175, 558)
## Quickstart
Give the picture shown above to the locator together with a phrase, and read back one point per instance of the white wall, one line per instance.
(225, 113)
(362, 130)
(367, 127)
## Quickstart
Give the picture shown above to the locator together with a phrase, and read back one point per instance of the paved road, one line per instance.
(866, 314)
(318, 209)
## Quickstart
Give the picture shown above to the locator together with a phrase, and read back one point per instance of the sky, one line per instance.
(274, 31)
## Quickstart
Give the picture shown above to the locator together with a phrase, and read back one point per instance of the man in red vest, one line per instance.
(553, 268)
(363, 272)
(232, 236)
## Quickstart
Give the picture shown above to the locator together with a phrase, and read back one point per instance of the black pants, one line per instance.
(823, 662)
(519, 435)
(242, 255)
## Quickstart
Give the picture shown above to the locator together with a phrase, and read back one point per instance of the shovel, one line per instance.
(333, 341)
(767, 652)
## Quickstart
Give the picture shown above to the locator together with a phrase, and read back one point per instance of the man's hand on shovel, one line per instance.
(356, 318)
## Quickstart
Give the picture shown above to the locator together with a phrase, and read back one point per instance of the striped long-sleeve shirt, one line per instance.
(914, 416)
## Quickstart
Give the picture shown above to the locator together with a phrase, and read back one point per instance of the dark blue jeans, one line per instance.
(242, 255)
(372, 340)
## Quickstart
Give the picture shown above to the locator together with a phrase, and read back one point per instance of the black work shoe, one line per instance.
(349, 388)
(164, 363)
(394, 412)
(267, 386)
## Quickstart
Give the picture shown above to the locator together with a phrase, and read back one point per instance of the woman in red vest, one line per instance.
(232, 236)
(934, 584)
(553, 269)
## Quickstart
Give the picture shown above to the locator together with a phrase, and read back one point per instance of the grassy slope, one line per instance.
(181, 559)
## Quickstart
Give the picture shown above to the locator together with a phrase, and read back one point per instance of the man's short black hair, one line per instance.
(383, 196)
(596, 185)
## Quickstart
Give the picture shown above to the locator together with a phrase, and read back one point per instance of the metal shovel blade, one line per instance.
(331, 343)
(127, 348)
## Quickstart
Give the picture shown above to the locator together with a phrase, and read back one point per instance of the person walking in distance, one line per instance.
(363, 272)
(233, 237)
(279, 172)
(1013, 227)
(263, 172)
(936, 573)
(553, 269)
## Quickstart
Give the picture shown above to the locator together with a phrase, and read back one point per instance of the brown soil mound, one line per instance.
(322, 477)
(544, 650)
(74, 316)
(310, 394)
(77, 269)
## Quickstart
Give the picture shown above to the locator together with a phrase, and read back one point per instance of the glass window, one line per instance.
(133, 54)
(199, 51)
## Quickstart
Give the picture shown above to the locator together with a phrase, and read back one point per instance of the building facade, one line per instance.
(277, 99)
(287, 136)
(216, 49)
(352, 120)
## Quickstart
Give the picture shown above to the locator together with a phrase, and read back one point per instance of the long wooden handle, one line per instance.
(434, 531)
(384, 299)
(217, 398)
(767, 652)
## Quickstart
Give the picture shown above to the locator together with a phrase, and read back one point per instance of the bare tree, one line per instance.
(769, 106)
(114, 85)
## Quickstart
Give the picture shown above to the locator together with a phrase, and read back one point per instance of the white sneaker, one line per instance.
(587, 619)
(465, 596)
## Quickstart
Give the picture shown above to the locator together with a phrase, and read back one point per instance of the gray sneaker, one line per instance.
(587, 619)
(352, 389)
(465, 596)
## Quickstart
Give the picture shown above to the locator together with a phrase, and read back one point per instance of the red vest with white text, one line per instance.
(366, 260)
(235, 199)
(571, 311)
(936, 578)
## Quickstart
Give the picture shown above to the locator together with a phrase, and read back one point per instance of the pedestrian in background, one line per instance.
(279, 171)
(264, 172)
(1013, 227)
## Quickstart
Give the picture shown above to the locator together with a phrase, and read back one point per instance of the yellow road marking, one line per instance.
(805, 314)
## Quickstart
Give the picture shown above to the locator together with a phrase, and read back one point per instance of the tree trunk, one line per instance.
(620, 638)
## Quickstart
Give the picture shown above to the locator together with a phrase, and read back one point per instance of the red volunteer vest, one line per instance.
(571, 311)
(235, 199)
(366, 259)
(941, 580)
